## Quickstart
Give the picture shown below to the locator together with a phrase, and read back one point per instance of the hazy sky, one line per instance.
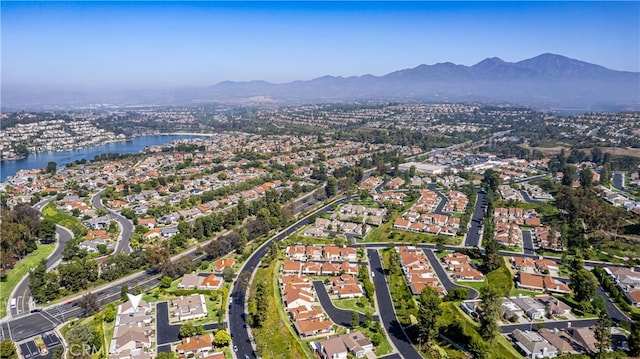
(167, 44)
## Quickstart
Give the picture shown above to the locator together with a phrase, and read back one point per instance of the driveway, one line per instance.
(339, 316)
(444, 277)
(388, 317)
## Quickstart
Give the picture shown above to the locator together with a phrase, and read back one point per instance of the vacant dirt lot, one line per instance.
(633, 152)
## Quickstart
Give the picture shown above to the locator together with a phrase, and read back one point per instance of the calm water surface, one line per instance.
(40, 160)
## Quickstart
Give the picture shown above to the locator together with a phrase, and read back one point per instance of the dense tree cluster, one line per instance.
(19, 232)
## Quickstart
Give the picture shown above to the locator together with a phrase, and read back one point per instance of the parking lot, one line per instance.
(29, 349)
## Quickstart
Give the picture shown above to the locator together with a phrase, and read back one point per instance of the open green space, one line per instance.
(66, 220)
(273, 339)
(361, 305)
(19, 271)
(456, 325)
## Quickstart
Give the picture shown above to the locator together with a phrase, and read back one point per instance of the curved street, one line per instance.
(126, 226)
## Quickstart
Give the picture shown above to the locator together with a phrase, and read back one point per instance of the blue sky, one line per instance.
(104, 45)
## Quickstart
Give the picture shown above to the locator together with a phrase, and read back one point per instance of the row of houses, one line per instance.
(321, 252)
(461, 267)
(290, 266)
(417, 270)
(628, 280)
(355, 344)
(514, 308)
(323, 227)
(549, 343)
(541, 283)
(531, 265)
(300, 302)
(421, 217)
(548, 238)
(133, 332)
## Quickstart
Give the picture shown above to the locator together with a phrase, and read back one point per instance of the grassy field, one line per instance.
(501, 279)
(49, 211)
(386, 233)
(361, 305)
(275, 339)
(20, 270)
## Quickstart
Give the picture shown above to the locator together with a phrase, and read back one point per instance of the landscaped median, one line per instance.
(19, 271)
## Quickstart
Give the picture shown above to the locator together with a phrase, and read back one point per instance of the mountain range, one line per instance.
(547, 81)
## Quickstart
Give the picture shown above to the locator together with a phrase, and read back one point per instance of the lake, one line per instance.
(40, 160)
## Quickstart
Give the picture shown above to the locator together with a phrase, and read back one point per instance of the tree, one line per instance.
(584, 285)
(603, 333)
(331, 187)
(355, 319)
(187, 330)
(109, 313)
(456, 294)
(586, 177)
(57, 352)
(568, 174)
(47, 232)
(89, 302)
(165, 282)
(123, 293)
(634, 342)
(428, 314)
(222, 338)
(491, 311)
(227, 274)
(8, 350)
(51, 167)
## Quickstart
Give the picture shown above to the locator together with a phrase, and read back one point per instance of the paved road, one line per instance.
(21, 292)
(238, 318)
(527, 242)
(443, 200)
(388, 317)
(522, 180)
(444, 277)
(618, 181)
(474, 235)
(615, 314)
(169, 333)
(125, 224)
(528, 199)
(338, 315)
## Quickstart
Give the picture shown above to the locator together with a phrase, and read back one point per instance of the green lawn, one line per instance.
(457, 326)
(20, 270)
(66, 220)
(501, 279)
(361, 305)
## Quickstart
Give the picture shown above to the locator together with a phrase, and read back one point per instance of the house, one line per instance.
(169, 232)
(135, 304)
(152, 233)
(533, 345)
(129, 337)
(349, 254)
(196, 344)
(147, 222)
(295, 252)
(523, 264)
(532, 308)
(291, 266)
(553, 285)
(98, 222)
(223, 263)
(305, 312)
(312, 327)
(329, 268)
(354, 343)
(295, 297)
(559, 339)
(554, 306)
(190, 307)
(348, 291)
(528, 281)
(211, 282)
(585, 337)
(331, 253)
(511, 309)
(190, 281)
